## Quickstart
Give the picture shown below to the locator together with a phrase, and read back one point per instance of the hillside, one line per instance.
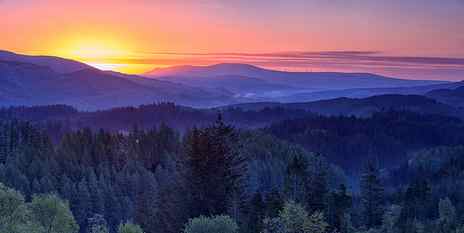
(363, 106)
(272, 85)
(454, 97)
(31, 80)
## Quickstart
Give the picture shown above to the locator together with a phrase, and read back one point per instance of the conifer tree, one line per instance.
(213, 168)
(84, 205)
(146, 211)
(372, 196)
(97, 224)
(256, 213)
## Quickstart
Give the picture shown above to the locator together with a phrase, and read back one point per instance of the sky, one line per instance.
(417, 39)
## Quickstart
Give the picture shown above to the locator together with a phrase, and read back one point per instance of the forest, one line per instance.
(267, 171)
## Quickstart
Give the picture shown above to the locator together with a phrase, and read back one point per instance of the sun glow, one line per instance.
(101, 53)
(93, 48)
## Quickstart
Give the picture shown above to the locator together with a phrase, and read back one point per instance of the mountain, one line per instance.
(309, 81)
(362, 107)
(31, 80)
(210, 71)
(44, 80)
(254, 89)
(367, 92)
(57, 64)
(454, 97)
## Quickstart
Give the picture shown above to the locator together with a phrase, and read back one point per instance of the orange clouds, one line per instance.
(106, 30)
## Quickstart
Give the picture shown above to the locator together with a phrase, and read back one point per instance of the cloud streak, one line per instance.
(412, 67)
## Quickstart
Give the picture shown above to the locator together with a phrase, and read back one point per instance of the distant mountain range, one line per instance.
(30, 80)
(453, 97)
(279, 83)
(367, 92)
(362, 106)
(44, 80)
(251, 115)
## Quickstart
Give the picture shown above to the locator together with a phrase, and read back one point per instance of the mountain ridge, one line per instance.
(300, 81)
(43, 80)
(88, 88)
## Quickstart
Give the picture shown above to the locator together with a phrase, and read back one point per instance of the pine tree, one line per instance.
(4, 152)
(339, 205)
(416, 205)
(447, 212)
(372, 196)
(112, 210)
(390, 219)
(274, 203)
(97, 224)
(296, 171)
(84, 205)
(256, 213)
(96, 195)
(213, 169)
(147, 203)
(316, 185)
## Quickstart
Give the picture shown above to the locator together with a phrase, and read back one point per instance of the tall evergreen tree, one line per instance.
(316, 185)
(296, 171)
(372, 196)
(3, 143)
(417, 202)
(146, 211)
(97, 224)
(256, 213)
(339, 204)
(84, 205)
(274, 202)
(213, 168)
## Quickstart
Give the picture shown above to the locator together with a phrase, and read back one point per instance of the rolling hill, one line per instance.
(297, 80)
(362, 106)
(367, 92)
(46, 80)
(454, 97)
(30, 80)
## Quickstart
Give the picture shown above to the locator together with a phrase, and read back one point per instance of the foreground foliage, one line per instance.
(163, 180)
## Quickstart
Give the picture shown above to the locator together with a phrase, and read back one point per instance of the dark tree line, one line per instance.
(161, 179)
(385, 136)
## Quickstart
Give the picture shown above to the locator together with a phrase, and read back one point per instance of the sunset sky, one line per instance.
(405, 38)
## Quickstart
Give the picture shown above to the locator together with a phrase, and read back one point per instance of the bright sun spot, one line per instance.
(91, 49)
(107, 66)
(104, 54)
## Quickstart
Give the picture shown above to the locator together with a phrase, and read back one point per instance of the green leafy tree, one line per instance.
(273, 225)
(315, 223)
(52, 214)
(216, 224)
(129, 228)
(296, 219)
(293, 217)
(14, 214)
(459, 229)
